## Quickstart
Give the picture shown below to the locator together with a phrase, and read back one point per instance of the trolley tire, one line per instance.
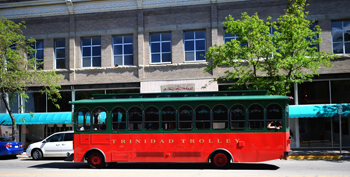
(37, 154)
(96, 160)
(220, 159)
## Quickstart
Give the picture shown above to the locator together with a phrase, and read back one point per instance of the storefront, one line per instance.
(33, 127)
(317, 126)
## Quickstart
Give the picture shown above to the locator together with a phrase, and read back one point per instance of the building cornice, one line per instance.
(42, 8)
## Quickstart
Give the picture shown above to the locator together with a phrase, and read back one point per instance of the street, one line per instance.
(292, 168)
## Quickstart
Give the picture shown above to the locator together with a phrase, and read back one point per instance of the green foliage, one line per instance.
(261, 60)
(17, 71)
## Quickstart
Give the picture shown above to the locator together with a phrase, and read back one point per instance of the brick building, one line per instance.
(151, 45)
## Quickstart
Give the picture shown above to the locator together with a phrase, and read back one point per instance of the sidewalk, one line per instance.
(319, 154)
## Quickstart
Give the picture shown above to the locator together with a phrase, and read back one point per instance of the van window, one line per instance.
(68, 136)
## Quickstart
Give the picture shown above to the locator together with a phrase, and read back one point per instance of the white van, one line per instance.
(59, 144)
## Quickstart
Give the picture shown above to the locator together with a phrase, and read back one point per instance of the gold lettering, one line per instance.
(183, 140)
(137, 140)
(201, 141)
(191, 140)
(210, 141)
(237, 140)
(219, 141)
(171, 140)
(113, 141)
(130, 141)
(153, 141)
(122, 141)
(228, 140)
(145, 141)
(161, 141)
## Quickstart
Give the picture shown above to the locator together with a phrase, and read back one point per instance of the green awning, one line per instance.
(38, 118)
(316, 111)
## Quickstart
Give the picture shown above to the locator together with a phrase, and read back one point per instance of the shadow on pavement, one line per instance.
(7, 157)
(161, 166)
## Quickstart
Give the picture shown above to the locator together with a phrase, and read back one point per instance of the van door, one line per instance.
(67, 144)
(52, 146)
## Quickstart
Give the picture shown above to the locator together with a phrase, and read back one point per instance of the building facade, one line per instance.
(157, 45)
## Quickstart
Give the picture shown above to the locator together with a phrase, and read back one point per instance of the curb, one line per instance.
(332, 157)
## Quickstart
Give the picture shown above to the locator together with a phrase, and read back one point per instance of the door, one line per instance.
(67, 144)
(52, 146)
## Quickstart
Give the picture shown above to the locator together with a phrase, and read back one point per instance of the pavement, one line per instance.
(321, 154)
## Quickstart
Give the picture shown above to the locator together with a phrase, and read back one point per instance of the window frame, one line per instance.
(123, 44)
(195, 45)
(184, 121)
(78, 128)
(232, 120)
(168, 121)
(268, 119)
(202, 121)
(34, 46)
(256, 120)
(98, 126)
(59, 48)
(343, 37)
(137, 121)
(160, 48)
(153, 122)
(220, 121)
(91, 46)
(114, 111)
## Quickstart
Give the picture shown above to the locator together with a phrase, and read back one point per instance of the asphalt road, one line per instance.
(293, 168)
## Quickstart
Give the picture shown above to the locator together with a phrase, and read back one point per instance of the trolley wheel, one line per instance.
(96, 160)
(220, 159)
(37, 154)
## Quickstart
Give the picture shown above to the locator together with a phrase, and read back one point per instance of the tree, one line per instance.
(17, 71)
(261, 59)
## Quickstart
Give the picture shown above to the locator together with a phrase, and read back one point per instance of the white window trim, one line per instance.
(55, 62)
(91, 56)
(122, 44)
(194, 48)
(343, 40)
(160, 48)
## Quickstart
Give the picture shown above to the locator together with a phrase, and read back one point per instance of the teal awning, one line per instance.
(38, 118)
(315, 111)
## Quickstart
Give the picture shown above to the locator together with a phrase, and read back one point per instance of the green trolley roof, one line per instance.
(192, 96)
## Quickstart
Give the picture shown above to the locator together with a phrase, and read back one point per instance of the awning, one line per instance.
(316, 111)
(38, 118)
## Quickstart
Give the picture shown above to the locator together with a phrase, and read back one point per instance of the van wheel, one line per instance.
(96, 160)
(220, 159)
(37, 154)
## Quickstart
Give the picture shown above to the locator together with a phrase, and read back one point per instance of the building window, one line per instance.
(91, 51)
(228, 37)
(194, 43)
(160, 48)
(341, 37)
(123, 50)
(60, 53)
(38, 55)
